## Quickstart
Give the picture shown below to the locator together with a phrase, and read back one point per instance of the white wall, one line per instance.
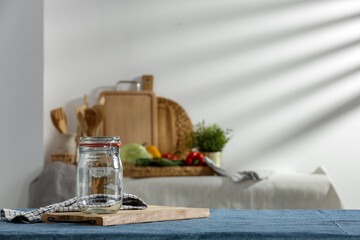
(21, 99)
(283, 74)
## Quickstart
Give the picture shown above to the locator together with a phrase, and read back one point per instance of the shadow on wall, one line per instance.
(261, 75)
(226, 11)
(307, 128)
(224, 49)
(281, 102)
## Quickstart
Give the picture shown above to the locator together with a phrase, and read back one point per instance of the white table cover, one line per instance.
(279, 191)
(57, 183)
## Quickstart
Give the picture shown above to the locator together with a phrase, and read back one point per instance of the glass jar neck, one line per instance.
(99, 140)
(100, 144)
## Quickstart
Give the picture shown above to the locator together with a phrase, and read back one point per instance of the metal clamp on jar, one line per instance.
(99, 175)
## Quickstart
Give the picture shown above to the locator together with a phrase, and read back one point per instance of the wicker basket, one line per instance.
(132, 171)
(183, 125)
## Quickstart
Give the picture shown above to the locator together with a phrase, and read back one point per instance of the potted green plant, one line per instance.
(210, 140)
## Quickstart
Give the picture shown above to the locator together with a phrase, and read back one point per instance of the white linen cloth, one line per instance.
(278, 191)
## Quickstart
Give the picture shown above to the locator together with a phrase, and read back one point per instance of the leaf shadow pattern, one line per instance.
(228, 48)
(311, 126)
(252, 79)
(288, 99)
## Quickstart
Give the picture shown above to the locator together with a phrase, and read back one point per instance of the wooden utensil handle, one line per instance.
(147, 82)
(50, 219)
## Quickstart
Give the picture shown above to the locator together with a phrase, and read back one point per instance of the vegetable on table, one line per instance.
(173, 156)
(143, 162)
(168, 162)
(154, 151)
(131, 152)
(195, 159)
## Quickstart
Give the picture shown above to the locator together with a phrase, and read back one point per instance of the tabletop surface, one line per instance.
(222, 224)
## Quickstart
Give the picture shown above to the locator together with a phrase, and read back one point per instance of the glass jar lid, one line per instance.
(100, 141)
(110, 144)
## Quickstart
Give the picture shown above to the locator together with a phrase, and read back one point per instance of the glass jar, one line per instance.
(99, 175)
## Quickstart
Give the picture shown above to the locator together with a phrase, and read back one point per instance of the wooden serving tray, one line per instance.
(132, 115)
(151, 214)
(141, 172)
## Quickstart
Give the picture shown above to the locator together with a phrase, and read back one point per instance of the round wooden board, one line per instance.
(174, 126)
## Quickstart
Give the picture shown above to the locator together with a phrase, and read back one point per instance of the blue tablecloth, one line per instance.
(222, 224)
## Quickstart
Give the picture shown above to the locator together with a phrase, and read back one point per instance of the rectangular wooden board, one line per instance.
(151, 214)
(132, 115)
(132, 171)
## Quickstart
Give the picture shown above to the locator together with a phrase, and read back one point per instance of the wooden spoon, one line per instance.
(99, 109)
(90, 118)
(58, 118)
(82, 124)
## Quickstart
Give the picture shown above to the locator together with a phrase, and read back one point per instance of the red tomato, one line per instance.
(195, 158)
(172, 156)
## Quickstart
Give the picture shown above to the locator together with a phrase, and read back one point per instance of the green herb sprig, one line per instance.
(208, 138)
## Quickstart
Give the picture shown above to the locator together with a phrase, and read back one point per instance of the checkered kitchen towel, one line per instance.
(130, 202)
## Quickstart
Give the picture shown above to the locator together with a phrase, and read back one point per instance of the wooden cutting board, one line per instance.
(132, 115)
(151, 214)
(167, 134)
